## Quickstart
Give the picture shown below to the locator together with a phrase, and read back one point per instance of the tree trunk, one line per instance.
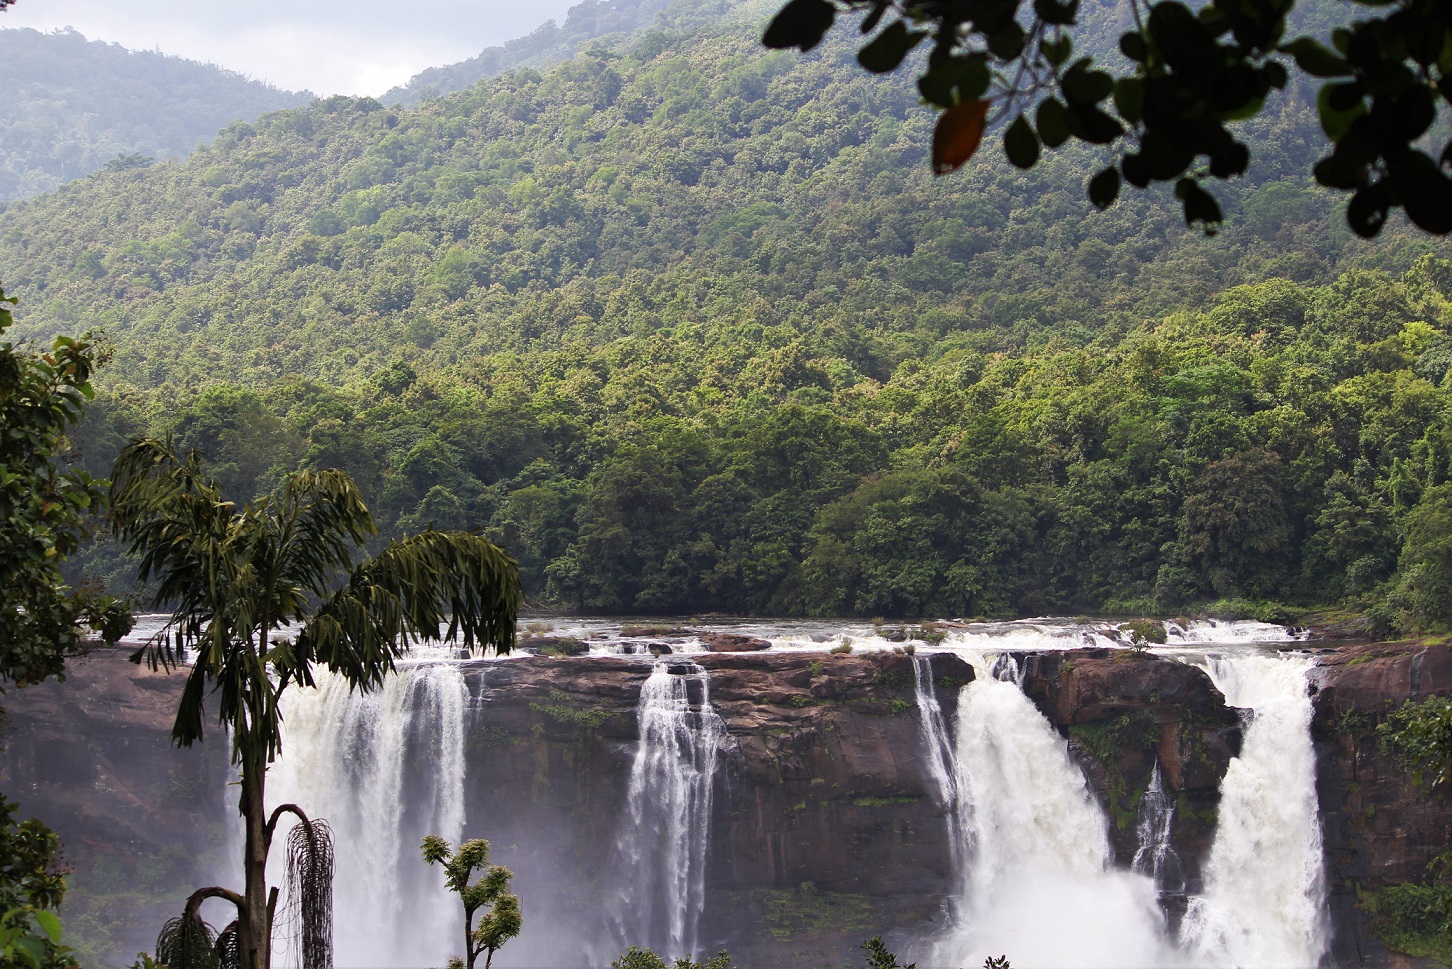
(255, 925)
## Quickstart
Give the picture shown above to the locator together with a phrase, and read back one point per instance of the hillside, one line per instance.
(591, 22)
(72, 106)
(688, 326)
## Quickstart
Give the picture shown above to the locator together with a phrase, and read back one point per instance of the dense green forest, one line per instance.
(73, 106)
(688, 325)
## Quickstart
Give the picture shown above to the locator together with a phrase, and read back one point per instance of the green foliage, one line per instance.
(502, 919)
(1413, 918)
(1186, 79)
(1143, 632)
(45, 508)
(31, 889)
(634, 958)
(1420, 734)
(878, 956)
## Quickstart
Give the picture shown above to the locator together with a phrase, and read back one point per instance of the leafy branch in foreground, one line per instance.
(1193, 74)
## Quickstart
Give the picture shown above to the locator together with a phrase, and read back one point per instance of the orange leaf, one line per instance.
(956, 138)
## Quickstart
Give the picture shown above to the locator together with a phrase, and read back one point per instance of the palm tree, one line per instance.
(232, 578)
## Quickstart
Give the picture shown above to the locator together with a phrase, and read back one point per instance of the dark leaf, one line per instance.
(1132, 45)
(1007, 43)
(1090, 124)
(1368, 210)
(1054, 12)
(1316, 59)
(870, 22)
(1057, 50)
(1021, 144)
(1229, 161)
(888, 48)
(1053, 122)
(1425, 192)
(1200, 205)
(1129, 98)
(957, 136)
(1104, 188)
(801, 23)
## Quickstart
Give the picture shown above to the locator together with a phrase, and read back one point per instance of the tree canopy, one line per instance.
(1168, 110)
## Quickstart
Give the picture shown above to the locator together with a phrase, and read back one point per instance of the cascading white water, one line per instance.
(1156, 856)
(384, 769)
(664, 839)
(942, 766)
(1264, 881)
(1038, 885)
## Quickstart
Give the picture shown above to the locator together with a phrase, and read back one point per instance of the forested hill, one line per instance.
(687, 325)
(589, 23)
(72, 105)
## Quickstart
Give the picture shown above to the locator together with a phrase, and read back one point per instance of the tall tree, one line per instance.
(1192, 75)
(261, 596)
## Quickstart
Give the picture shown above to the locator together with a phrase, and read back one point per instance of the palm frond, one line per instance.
(430, 587)
(322, 523)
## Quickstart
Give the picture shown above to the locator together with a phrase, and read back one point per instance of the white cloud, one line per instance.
(326, 46)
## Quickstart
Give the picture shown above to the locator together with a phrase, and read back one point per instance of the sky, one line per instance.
(352, 47)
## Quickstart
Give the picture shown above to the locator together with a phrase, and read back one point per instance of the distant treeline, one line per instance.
(73, 106)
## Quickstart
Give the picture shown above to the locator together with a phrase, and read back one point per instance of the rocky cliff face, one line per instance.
(138, 819)
(825, 828)
(1381, 827)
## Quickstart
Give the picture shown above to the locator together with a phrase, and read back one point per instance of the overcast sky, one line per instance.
(327, 46)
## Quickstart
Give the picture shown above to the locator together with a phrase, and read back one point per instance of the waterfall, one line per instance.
(942, 767)
(664, 840)
(1038, 884)
(384, 769)
(1264, 881)
(1155, 856)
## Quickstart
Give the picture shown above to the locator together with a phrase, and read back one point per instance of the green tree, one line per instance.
(502, 921)
(235, 579)
(44, 509)
(31, 887)
(1193, 74)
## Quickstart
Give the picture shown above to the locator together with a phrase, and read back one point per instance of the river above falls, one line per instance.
(632, 636)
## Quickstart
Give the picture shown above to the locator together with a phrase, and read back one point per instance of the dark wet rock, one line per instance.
(1380, 827)
(734, 643)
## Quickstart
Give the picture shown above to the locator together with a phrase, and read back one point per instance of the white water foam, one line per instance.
(1264, 901)
(1038, 886)
(1156, 856)
(664, 840)
(383, 769)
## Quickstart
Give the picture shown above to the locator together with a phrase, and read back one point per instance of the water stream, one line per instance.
(1264, 900)
(665, 834)
(384, 769)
